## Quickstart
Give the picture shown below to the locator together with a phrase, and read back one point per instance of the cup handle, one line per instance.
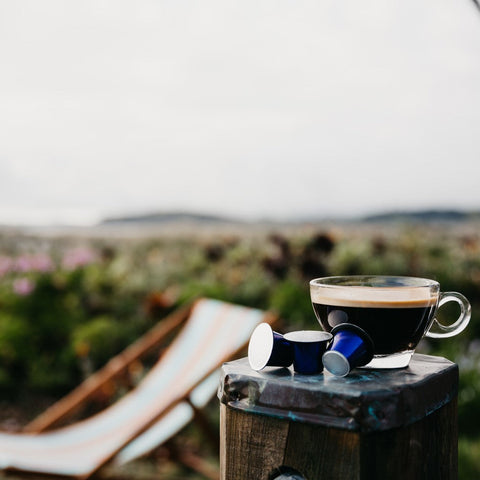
(462, 321)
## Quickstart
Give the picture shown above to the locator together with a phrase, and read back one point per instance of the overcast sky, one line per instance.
(251, 108)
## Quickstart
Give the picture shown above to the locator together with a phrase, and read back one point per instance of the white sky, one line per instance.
(251, 108)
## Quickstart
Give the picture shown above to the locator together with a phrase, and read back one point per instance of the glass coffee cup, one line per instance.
(396, 312)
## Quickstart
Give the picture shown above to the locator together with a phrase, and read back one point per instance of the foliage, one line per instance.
(70, 302)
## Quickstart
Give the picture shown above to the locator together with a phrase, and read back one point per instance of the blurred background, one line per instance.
(153, 151)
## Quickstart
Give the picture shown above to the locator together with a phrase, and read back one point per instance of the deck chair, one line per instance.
(162, 404)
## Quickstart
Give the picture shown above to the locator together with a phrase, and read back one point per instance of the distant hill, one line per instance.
(424, 216)
(169, 217)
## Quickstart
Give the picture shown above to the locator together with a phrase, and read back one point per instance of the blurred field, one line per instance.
(70, 299)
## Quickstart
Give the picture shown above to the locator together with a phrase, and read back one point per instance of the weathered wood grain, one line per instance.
(274, 420)
(252, 446)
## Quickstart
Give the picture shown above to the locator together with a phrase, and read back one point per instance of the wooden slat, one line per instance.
(71, 403)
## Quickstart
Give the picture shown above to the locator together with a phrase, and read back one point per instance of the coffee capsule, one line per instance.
(351, 347)
(308, 348)
(268, 349)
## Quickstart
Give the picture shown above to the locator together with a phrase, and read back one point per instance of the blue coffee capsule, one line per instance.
(351, 347)
(308, 348)
(268, 349)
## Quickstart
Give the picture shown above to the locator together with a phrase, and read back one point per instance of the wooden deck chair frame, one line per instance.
(72, 402)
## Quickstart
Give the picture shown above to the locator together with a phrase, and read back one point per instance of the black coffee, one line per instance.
(394, 327)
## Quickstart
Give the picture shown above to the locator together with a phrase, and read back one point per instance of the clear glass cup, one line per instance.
(397, 312)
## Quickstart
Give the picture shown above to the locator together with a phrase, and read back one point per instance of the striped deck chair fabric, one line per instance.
(151, 413)
(170, 423)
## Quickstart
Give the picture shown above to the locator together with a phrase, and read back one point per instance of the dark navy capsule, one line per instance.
(351, 347)
(268, 348)
(308, 348)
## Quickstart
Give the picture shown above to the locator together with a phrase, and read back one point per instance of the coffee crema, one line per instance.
(395, 318)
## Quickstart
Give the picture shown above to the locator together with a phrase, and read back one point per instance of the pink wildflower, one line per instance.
(23, 286)
(22, 264)
(34, 263)
(42, 263)
(78, 257)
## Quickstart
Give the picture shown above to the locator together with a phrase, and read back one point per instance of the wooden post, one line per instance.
(372, 424)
